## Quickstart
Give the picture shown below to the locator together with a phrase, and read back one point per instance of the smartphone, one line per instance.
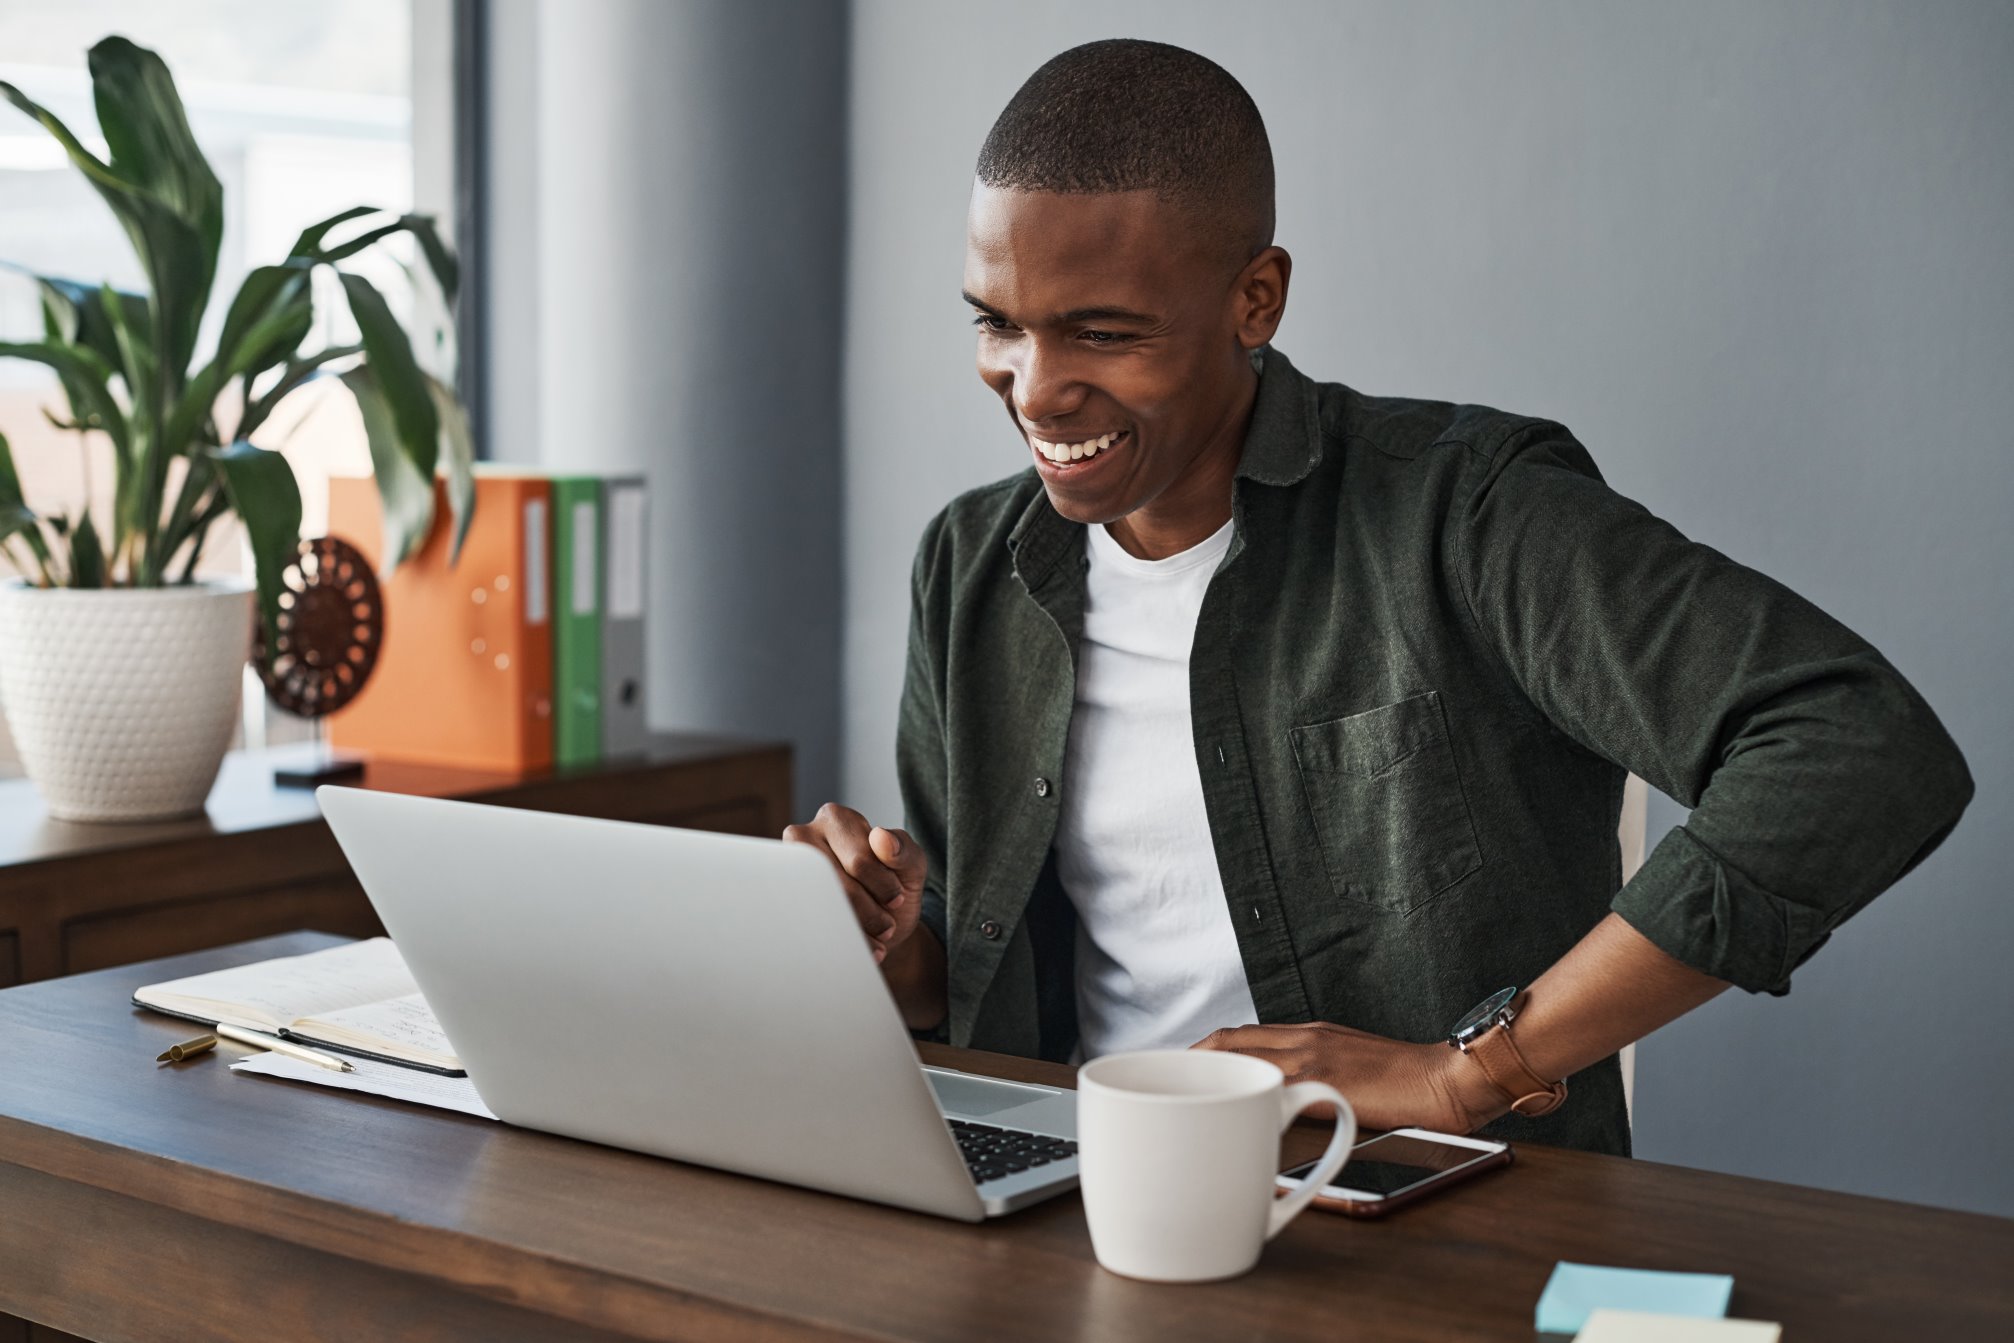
(1404, 1166)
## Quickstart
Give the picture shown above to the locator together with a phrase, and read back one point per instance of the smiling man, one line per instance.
(1266, 715)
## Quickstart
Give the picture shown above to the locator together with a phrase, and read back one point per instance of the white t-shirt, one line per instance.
(1157, 960)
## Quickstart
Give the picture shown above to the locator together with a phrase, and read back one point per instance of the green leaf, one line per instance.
(141, 116)
(309, 244)
(87, 383)
(266, 497)
(83, 373)
(112, 325)
(424, 228)
(269, 317)
(440, 257)
(87, 556)
(136, 357)
(407, 497)
(98, 172)
(219, 505)
(16, 518)
(295, 374)
(389, 354)
(251, 339)
(201, 488)
(10, 479)
(458, 460)
(441, 261)
(77, 314)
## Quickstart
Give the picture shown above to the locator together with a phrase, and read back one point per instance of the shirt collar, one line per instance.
(1284, 440)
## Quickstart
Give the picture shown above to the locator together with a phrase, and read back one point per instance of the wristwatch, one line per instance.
(1485, 1036)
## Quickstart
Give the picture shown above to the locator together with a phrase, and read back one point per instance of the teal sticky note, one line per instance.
(1577, 1290)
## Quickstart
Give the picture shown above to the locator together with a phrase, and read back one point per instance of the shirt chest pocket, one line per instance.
(1386, 803)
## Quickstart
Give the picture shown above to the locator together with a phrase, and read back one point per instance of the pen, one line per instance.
(188, 1049)
(287, 1047)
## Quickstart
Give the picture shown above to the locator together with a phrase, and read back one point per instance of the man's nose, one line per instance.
(1045, 388)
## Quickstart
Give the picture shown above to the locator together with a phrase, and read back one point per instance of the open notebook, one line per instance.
(357, 999)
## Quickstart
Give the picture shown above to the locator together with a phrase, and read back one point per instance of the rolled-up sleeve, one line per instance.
(1817, 775)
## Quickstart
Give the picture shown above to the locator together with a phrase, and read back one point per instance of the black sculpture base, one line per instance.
(325, 766)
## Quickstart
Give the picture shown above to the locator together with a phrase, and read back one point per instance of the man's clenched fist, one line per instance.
(882, 871)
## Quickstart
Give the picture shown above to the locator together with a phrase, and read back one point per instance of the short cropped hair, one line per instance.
(1129, 115)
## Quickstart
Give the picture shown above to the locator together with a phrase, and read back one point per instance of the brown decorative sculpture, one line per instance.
(331, 625)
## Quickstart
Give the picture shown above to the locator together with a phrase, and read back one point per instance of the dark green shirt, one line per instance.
(1435, 648)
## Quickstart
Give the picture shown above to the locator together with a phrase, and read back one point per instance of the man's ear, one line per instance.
(1259, 296)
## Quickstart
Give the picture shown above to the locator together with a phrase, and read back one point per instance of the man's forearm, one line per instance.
(1612, 988)
(917, 978)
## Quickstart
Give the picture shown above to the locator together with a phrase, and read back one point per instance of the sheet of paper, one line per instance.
(377, 1079)
(1633, 1326)
(297, 986)
(1575, 1291)
(404, 1021)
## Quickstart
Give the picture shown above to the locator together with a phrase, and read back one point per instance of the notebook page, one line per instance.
(377, 1079)
(406, 1023)
(273, 993)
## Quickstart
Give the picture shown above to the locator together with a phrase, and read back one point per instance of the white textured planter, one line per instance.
(122, 700)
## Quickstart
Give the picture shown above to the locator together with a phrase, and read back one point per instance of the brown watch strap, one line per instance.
(1501, 1061)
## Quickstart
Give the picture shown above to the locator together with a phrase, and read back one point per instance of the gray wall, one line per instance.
(1756, 255)
(666, 270)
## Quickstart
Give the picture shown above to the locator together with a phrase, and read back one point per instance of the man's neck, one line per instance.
(1191, 510)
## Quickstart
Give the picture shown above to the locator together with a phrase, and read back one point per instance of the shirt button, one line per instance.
(1041, 787)
(990, 930)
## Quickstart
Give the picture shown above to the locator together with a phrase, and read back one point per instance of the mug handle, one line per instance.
(1293, 1100)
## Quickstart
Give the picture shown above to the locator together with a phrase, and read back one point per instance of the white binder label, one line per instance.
(534, 562)
(625, 552)
(586, 557)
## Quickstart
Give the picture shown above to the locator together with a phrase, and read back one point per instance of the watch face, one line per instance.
(1482, 1014)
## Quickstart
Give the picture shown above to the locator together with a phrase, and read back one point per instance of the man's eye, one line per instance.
(1105, 337)
(986, 321)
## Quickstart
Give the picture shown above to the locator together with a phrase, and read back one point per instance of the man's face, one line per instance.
(1111, 319)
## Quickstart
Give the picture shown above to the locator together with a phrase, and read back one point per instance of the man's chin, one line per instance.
(1093, 510)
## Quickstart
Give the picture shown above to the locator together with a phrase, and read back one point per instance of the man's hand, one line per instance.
(882, 871)
(1389, 1083)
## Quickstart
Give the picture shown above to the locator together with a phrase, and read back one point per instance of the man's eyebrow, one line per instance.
(1105, 314)
(1075, 316)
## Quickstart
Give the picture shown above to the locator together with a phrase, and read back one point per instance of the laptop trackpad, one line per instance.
(963, 1096)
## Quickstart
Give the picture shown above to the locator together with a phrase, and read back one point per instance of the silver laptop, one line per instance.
(691, 995)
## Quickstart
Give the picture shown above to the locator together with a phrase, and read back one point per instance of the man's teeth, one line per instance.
(1072, 452)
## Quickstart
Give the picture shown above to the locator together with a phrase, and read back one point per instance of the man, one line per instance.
(1266, 715)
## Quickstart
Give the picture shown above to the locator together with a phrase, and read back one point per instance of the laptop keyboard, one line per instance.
(993, 1153)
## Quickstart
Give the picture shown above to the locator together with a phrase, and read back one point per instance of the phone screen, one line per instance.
(1391, 1162)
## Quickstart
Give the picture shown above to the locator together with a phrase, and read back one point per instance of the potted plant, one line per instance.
(119, 671)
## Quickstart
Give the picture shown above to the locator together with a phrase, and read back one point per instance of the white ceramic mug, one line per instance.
(1176, 1153)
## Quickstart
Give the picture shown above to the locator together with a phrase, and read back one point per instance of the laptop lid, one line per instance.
(698, 996)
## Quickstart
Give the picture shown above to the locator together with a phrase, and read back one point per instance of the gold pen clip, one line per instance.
(188, 1049)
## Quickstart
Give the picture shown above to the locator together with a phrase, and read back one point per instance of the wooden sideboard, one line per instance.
(260, 861)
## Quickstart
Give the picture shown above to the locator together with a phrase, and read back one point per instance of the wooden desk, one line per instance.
(260, 861)
(182, 1202)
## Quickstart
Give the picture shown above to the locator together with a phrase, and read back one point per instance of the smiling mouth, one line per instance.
(1076, 454)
